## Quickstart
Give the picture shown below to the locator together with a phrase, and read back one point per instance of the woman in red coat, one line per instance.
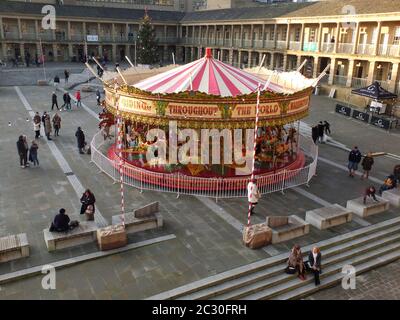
(78, 99)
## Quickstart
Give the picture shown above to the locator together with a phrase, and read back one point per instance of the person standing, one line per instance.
(80, 139)
(327, 126)
(66, 75)
(98, 96)
(78, 99)
(354, 159)
(314, 264)
(26, 146)
(56, 124)
(253, 195)
(43, 121)
(36, 125)
(22, 152)
(321, 129)
(33, 153)
(68, 105)
(87, 199)
(36, 128)
(54, 101)
(367, 163)
(314, 134)
(65, 101)
(27, 58)
(56, 81)
(47, 127)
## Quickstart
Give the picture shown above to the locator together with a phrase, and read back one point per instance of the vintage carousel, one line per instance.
(208, 97)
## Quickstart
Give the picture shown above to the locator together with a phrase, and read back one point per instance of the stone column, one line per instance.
(288, 36)
(230, 56)
(165, 32)
(240, 58)
(350, 73)
(207, 35)
(127, 50)
(378, 38)
(114, 52)
(319, 44)
(84, 31)
(70, 51)
(165, 53)
(241, 36)
(68, 30)
(394, 76)
(337, 36)
(19, 29)
(302, 36)
(332, 71)
(22, 51)
(249, 60)
(192, 54)
(371, 71)
(223, 35)
(4, 50)
(1, 28)
(272, 65)
(127, 32)
(262, 35)
(298, 62)
(251, 35)
(285, 61)
(356, 38)
(316, 66)
(55, 53)
(100, 50)
(113, 32)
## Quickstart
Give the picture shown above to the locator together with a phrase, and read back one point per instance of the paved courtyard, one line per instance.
(207, 233)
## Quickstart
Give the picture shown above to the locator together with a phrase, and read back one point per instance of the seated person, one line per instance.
(370, 193)
(61, 222)
(387, 184)
(295, 262)
(314, 264)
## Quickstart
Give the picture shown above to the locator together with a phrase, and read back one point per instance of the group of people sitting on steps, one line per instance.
(295, 263)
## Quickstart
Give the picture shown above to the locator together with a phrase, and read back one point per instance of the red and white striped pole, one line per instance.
(120, 162)
(254, 150)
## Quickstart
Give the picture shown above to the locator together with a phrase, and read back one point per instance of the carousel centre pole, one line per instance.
(120, 162)
(254, 150)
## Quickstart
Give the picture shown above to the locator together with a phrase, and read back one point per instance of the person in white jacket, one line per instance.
(253, 194)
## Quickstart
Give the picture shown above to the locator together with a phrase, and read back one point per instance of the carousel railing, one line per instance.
(143, 179)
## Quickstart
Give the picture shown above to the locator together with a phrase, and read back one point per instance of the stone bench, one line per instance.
(327, 217)
(84, 233)
(369, 208)
(286, 228)
(14, 247)
(145, 218)
(393, 196)
(42, 83)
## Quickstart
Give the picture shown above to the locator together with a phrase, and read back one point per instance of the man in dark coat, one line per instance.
(61, 221)
(354, 159)
(54, 101)
(22, 151)
(321, 129)
(80, 139)
(314, 133)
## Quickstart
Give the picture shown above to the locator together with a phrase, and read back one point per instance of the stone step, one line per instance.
(332, 270)
(268, 272)
(282, 277)
(270, 262)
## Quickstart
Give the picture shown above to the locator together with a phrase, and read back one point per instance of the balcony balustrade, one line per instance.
(345, 48)
(281, 44)
(357, 83)
(340, 80)
(328, 47)
(368, 49)
(310, 46)
(389, 50)
(294, 45)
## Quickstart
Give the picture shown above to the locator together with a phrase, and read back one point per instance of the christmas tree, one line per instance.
(147, 42)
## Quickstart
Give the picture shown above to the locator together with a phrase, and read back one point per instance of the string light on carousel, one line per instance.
(218, 103)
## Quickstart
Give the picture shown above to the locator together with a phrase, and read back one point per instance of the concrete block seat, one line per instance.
(14, 247)
(369, 208)
(286, 228)
(330, 216)
(84, 233)
(393, 196)
(145, 218)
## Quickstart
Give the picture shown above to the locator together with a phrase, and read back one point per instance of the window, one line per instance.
(396, 39)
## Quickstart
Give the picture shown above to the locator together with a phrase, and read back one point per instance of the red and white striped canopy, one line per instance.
(206, 75)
